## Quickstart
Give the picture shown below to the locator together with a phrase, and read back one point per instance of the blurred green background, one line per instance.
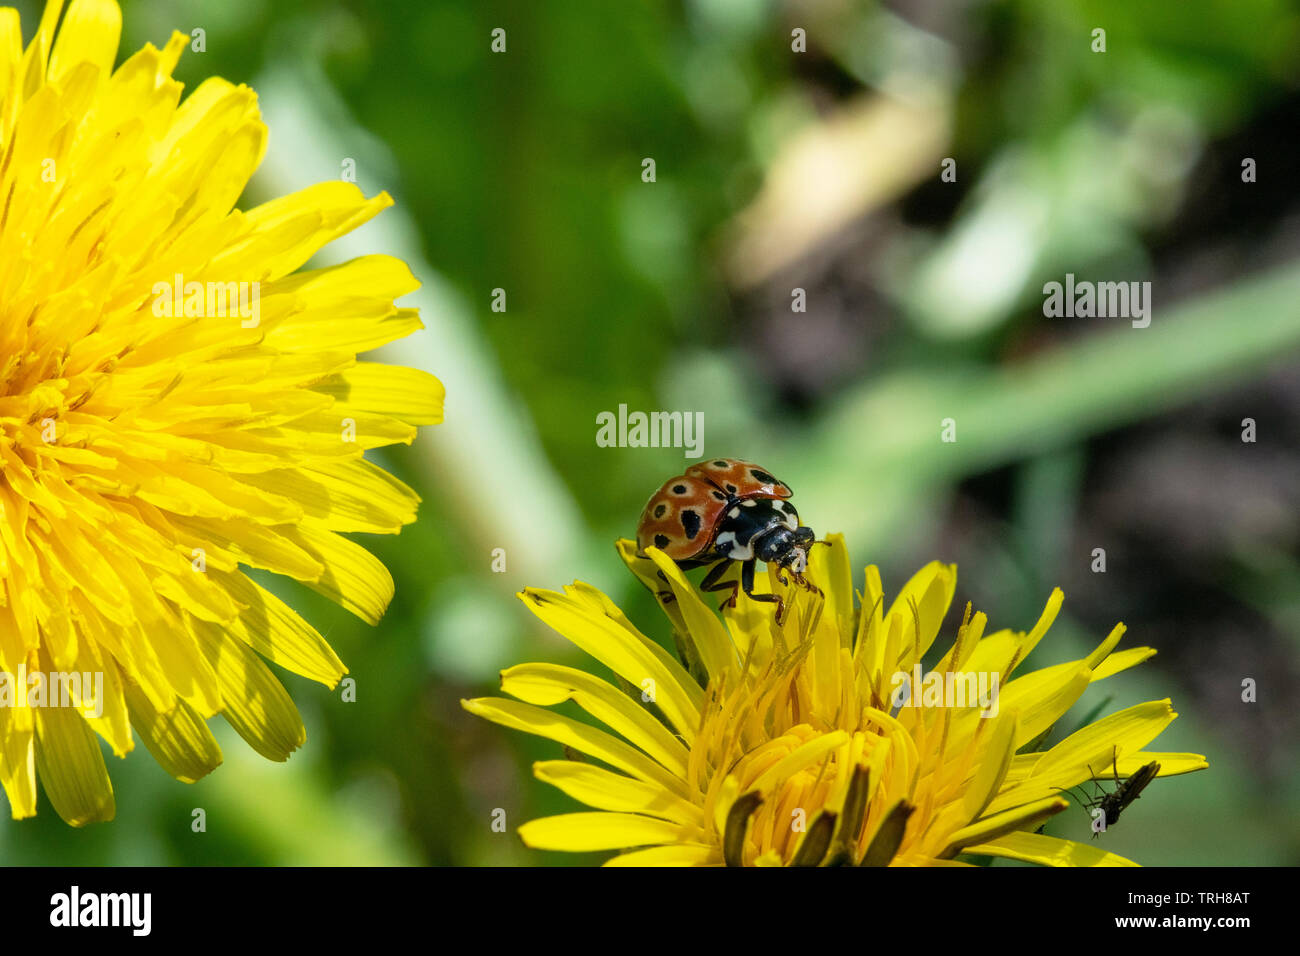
(779, 170)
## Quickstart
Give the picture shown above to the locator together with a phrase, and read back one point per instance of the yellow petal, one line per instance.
(993, 765)
(921, 606)
(1004, 651)
(600, 603)
(353, 495)
(546, 685)
(605, 790)
(1089, 752)
(990, 828)
(278, 633)
(835, 572)
(710, 637)
(18, 763)
(680, 854)
(1122, 661)
(619, 650)
(71, 768)
(408, 394)
(106, 713)
(1171, 764)
(179, 739)
(582, 737)
(584, 832)
(806, 755)
(283, 233)
(1095, 745)
(352, 577)
(90, 33)
(647, 572)
(254, 703)
(11, 53)
(373, 277)
(1046, 850)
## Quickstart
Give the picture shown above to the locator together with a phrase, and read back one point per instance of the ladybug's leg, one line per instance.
(807, 585)
(666, 595)
(711, 582)
(747, 584)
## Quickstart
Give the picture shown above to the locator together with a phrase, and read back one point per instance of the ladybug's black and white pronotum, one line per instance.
(724, 510)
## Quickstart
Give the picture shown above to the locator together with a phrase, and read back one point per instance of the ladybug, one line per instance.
(724, 510)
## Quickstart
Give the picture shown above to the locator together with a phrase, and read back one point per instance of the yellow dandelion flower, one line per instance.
(791, 744)
(177, 405)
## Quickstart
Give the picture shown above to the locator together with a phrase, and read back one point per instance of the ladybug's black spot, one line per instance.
(720, 496)
(679, 489)
(661, 541)
(732, 488)
(763, 477)
(659, 511)
(719, 464)
(691, 522)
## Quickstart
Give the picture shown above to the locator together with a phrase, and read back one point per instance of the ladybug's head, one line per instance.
(787, 548)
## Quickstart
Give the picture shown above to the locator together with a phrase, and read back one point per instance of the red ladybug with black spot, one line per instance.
(724, 510)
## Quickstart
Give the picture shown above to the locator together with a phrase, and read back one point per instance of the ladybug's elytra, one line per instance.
(724, 510)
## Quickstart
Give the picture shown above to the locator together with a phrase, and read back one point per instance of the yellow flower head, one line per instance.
(803, 743)
(177, 405)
